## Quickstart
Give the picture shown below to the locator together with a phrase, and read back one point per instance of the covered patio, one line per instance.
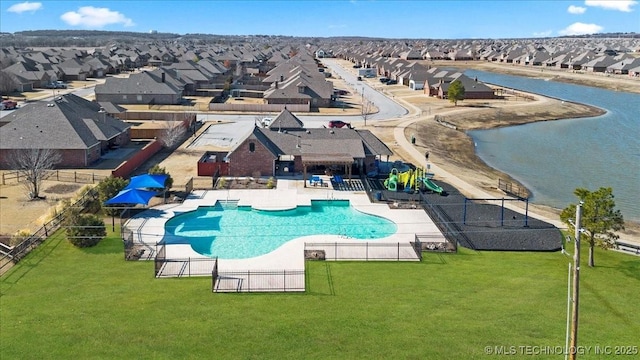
(327, 160)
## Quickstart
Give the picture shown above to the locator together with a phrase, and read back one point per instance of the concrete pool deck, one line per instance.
(148, 226)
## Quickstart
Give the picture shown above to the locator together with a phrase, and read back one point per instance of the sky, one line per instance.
(470, 19)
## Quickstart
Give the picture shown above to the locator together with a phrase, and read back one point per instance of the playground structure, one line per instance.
(410, 181)
(384, 168)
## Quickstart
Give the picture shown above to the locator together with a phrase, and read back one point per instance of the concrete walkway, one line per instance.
(148, 227)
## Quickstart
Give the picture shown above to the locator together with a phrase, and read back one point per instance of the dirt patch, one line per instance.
(62, 188)
(18, 212)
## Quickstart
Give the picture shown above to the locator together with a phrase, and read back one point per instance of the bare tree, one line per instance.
(33, 165)
(174, 132)
(7, 83)
(367, 109)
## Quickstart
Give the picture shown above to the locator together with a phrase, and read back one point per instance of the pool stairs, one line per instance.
(229, 204)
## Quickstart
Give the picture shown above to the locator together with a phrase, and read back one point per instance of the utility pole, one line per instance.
(576, 285)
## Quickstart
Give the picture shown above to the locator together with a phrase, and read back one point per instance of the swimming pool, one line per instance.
(240, 232)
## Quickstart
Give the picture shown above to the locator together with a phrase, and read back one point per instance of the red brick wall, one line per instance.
(73, 158)
(243, 162)
(207, 166)
(136, 160)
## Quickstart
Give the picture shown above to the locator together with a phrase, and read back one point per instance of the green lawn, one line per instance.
(61, 302)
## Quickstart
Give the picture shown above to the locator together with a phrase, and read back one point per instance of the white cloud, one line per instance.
(93, 17)
(576, 9)
(543, 34)
(24, 7)
(619, 5)
(581, 29)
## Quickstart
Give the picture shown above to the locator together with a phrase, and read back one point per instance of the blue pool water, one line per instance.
(242, 232)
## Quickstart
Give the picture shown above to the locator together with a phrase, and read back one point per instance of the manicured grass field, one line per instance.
(61, 303)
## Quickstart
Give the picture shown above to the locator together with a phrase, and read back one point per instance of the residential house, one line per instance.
(473, 89)
(286, 147)
(74, 69)
(71, 125)
(623, 66)
(141, 88)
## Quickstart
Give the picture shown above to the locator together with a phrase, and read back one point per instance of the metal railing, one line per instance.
(160, 259)
(367, 251)
(513, 189)
(258, 280)
(445, 224)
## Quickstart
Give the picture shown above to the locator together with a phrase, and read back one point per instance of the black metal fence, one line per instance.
(367, 251)
(160, 259)
(258, 280)
(39, 236)
(445, 224)
(181, 267)
(513, 189)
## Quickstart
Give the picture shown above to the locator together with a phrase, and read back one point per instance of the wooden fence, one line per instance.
(55, 175)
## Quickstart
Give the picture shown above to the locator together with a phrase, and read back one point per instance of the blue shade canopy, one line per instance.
(153, 181)
(132, 196)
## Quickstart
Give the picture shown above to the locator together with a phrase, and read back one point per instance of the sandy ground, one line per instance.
(19, 213)
(449, 149)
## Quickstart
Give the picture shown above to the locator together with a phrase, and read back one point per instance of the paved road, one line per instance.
(389, 109)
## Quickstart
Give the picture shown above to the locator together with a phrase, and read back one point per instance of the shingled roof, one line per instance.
(69, 122)
(286, 121)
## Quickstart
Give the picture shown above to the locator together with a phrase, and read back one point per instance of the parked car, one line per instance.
(266, 121)
(383, 80)
(392, 82)
(8, 105)
(339, 124)
(56, 85)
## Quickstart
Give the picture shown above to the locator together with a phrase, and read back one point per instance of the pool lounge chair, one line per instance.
(315, 180)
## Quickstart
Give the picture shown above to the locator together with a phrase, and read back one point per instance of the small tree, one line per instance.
(599, 218)
(455, 92)
(157, 169)
(85, 230)
(33, 164)
(173, 133)
(367, 108)
(108, 188)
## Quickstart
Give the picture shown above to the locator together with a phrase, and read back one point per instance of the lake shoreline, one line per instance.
(453, 150)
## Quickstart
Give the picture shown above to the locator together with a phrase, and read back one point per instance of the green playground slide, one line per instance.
(432, 186)
(391, 183)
